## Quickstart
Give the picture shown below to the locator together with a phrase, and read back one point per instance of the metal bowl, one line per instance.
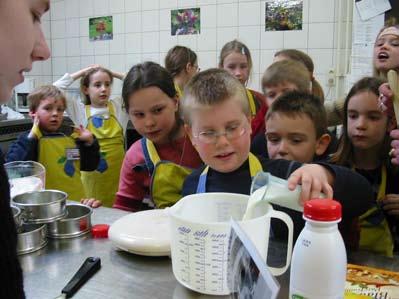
(41, 206)
(16, 212)
(76, 223)
(31, 238)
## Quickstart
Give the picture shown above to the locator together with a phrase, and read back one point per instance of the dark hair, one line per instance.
(295, 103)
(177, 59)
(43, 92)
(86, 78)
(235, 46)
(300, 56)
(344, 154)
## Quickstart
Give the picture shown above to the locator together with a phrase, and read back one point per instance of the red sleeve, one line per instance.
(258, 122)
(134, 180)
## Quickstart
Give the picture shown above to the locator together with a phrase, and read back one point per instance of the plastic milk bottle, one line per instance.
(318, 264)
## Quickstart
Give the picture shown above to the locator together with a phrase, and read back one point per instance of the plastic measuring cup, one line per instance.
(200, 232)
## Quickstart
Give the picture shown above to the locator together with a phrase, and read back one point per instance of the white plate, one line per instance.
(143, 233)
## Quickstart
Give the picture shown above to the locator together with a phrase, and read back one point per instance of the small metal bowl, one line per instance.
(17, 214)
(41, 206)
(75, 224)
(31, 238)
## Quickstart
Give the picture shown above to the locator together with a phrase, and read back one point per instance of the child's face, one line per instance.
(237, 65)
(99, 89)
(293, 138)
(272, 92)
(153, 113)
(50, 113)
(228, 150)
(367, 125)
(22, 41)
(386, 50)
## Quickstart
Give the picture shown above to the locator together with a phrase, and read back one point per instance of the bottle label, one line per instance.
(294, 296)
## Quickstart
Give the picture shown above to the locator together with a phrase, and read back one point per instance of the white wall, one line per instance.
(142, 32)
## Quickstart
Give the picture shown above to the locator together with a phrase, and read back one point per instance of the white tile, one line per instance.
(266, 59)
(164, 20)
(37, 69)
(73, 64)
(133, 22)
(57, 10)
(322, 59)
(117, 44)
(346, 11)
(207, 59)
(116, 88)
(117, 63)
(132, 5)
(101, 47)
(166, 41)
(58, 47)
(225, 35)
(118, 21)
(46, 28)
(189, 41)
(318, 30)
(226, 1)
(72, 27)
(249, 13)
(305, 12)
(321, 11)
(85, 61)
(208, 16)
(206, 2)
(133, 43)
(297, 38)
(45, 80)
(162, 56)
(58, 29)
(46, 67)
(149, 4)
(227, 15)
(117, 6)
(86, 8)
(73, 46)
(168, 4)
(271, 39)
(187, 3)
(207, 40)
(150, 20)
(102, 60)
(84, 26)
(72, 9)
(86, 46)
(101, 7)
(46, 16)
(59, 66)
(150, 42)
(344, 36)
(250, 36)
(255, 56)
(131, 60)
(151, 57)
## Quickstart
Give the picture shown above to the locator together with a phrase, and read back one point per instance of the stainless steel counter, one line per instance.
(125, 275)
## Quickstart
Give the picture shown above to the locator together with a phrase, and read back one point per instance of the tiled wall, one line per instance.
(142, 32)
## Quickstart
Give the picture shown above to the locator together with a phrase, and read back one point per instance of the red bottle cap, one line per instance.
(321, 209)
(100, 231)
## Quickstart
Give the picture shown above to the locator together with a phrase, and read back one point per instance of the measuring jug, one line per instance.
(200, 232)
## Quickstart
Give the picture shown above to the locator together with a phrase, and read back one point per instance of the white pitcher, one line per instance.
(200, 232)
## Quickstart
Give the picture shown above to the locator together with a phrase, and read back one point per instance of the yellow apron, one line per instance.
(179, 91)
(254, 168)
(103, 183)
(251, 101)
(167, 177)
(375, 234)
(61, 158)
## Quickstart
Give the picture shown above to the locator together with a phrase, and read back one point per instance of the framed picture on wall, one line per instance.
(100, 28)
(283, 15)
(185, 21)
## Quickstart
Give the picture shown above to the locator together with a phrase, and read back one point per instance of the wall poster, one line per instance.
(283, 15)
(100, 28)
(185, 21)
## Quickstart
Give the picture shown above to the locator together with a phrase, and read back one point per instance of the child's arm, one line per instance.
(91, 202)
(118, 75)
(89, 149)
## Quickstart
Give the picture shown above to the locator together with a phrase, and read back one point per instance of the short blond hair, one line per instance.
(43, 92)
(212, 87)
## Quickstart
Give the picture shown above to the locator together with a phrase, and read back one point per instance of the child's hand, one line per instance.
(33, 134)
(391, 204)
(315, 179)
(84, 135)
(91, 202)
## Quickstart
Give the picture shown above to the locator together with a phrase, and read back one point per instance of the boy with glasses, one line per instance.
(217, 119)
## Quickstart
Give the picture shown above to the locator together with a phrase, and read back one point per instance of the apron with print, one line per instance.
(254, 168)
(375, 234)
(167, 177)
(61, 158)
(251, 101)
(103, 183)
(179, 92)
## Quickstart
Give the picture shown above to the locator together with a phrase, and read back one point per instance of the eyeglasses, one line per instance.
(231, 133)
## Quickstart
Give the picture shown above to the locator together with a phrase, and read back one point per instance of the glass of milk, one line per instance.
(25, 176)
